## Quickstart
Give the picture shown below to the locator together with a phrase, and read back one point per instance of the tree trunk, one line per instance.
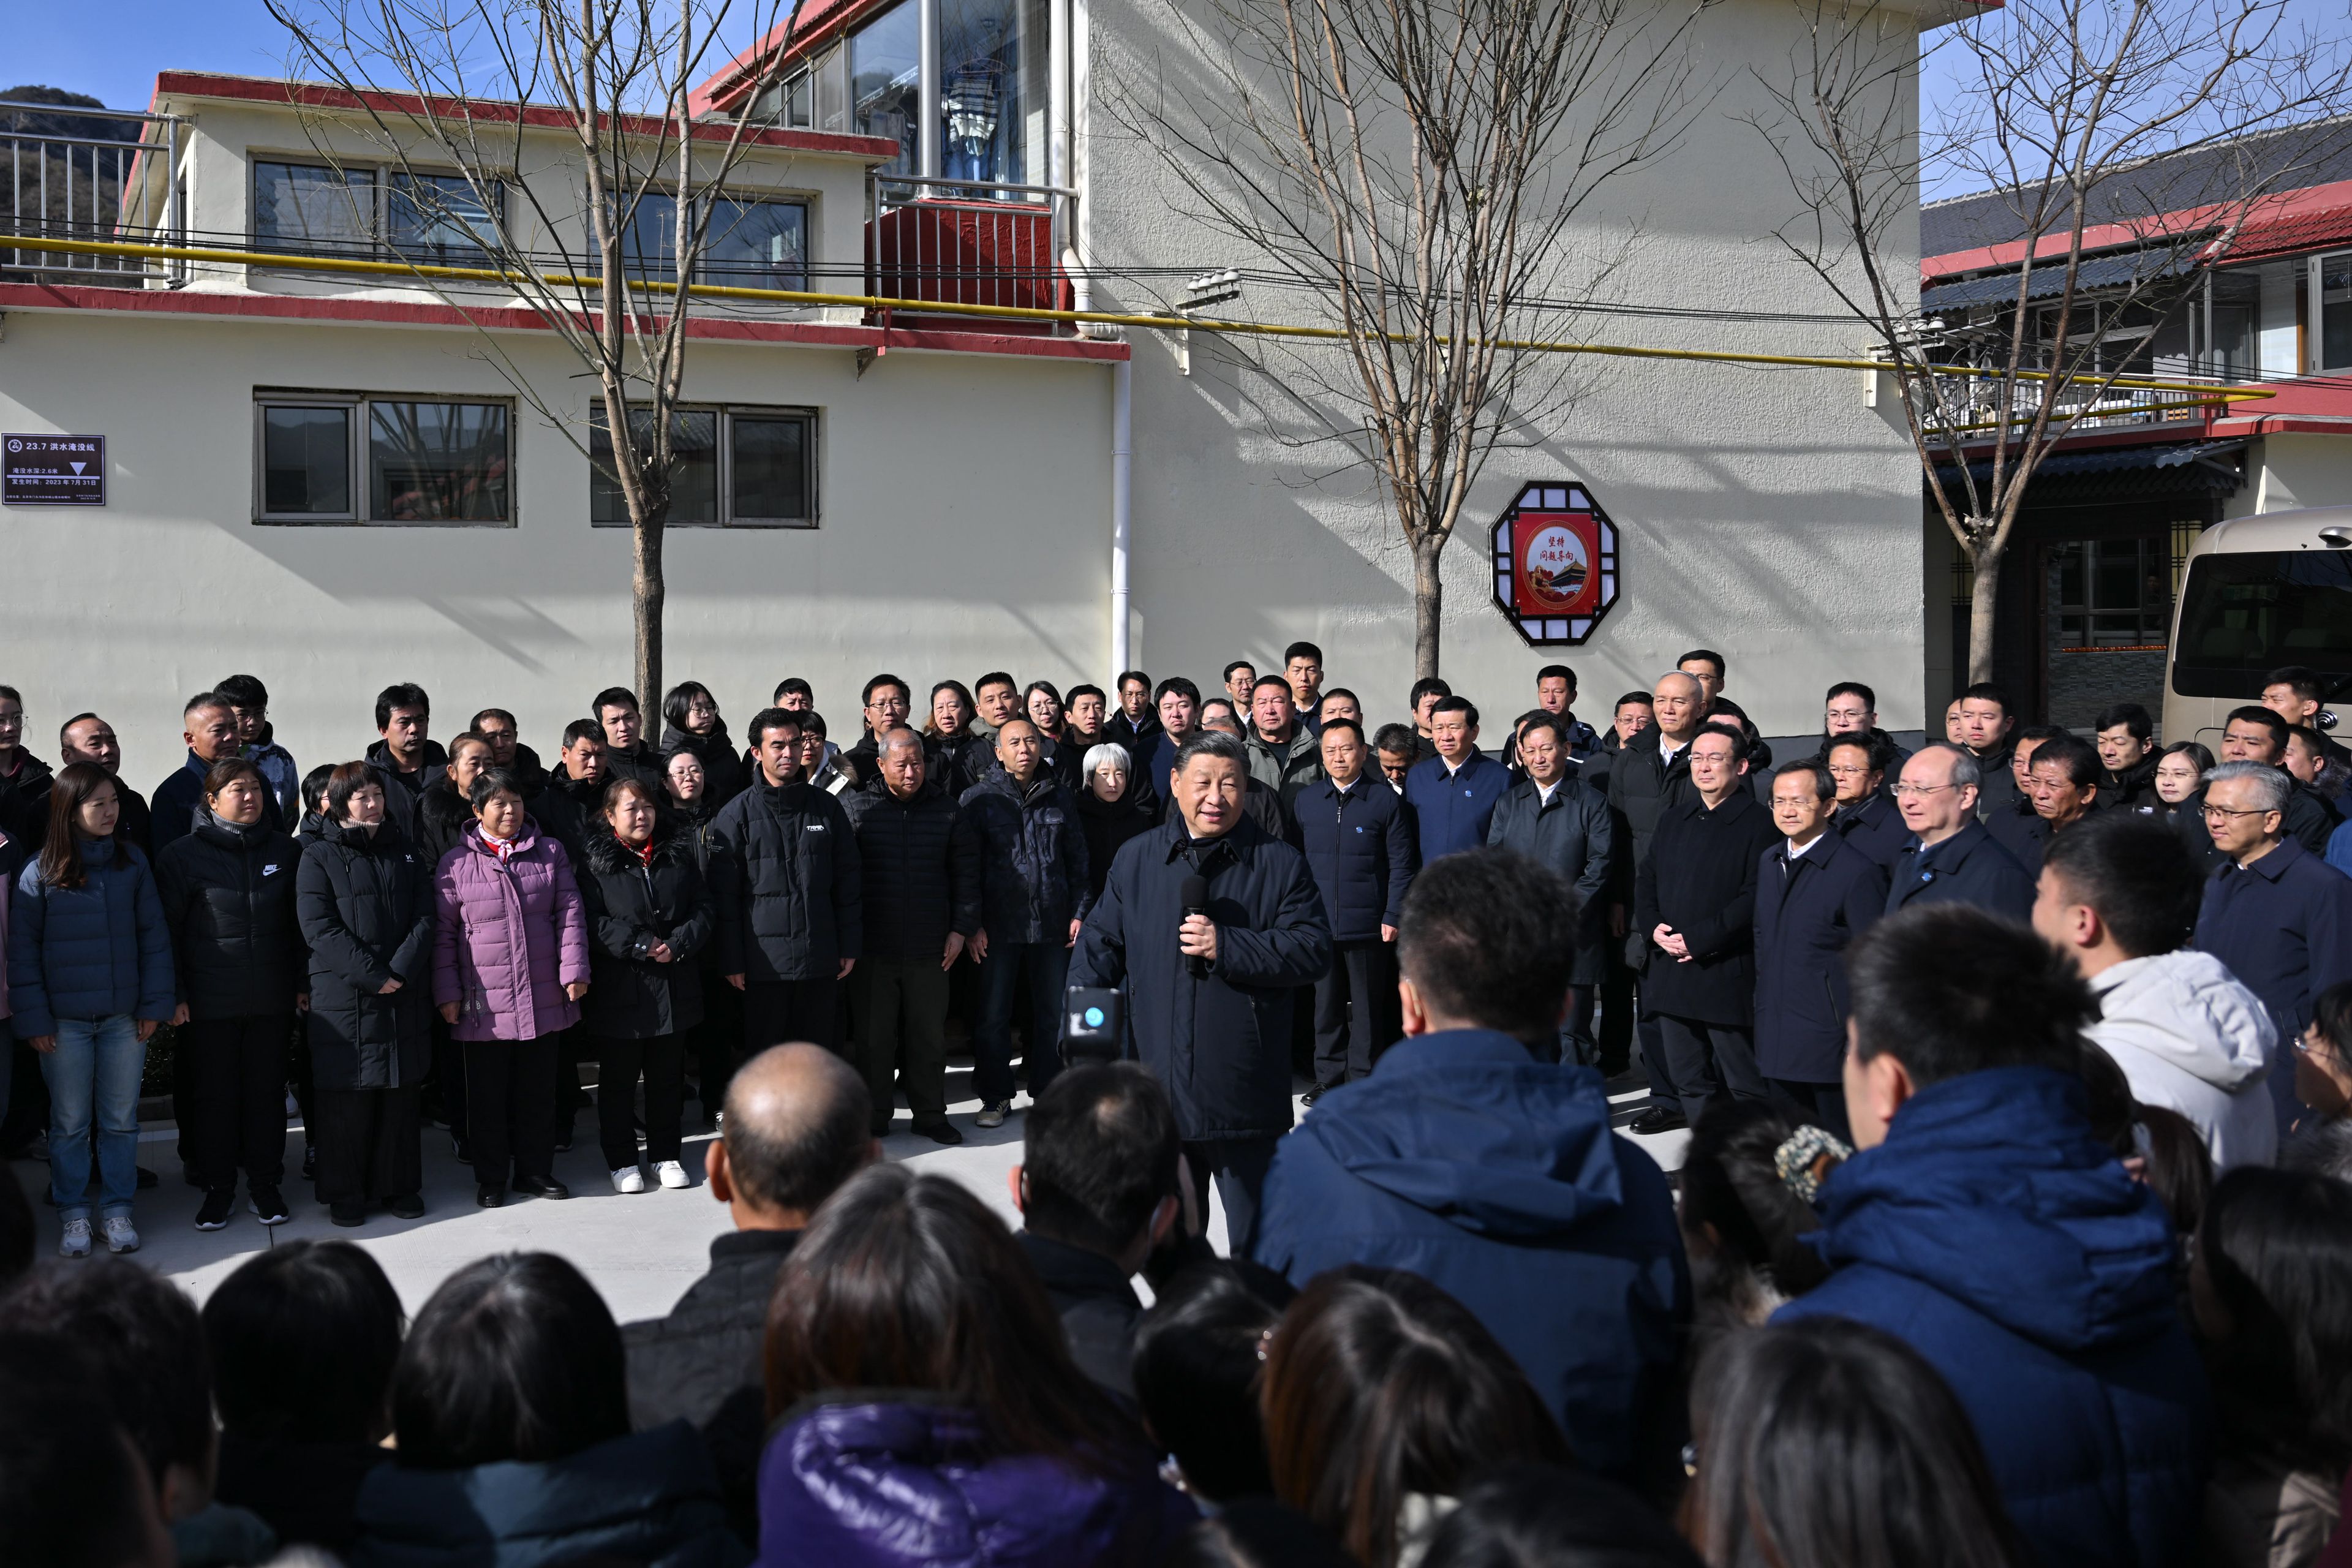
(647, 593)
(1428, 606)
(1984, 602)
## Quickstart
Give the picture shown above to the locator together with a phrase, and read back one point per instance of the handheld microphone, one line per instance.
(1195, 894)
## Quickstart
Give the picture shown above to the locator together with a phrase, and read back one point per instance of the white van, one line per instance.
(2260, 593)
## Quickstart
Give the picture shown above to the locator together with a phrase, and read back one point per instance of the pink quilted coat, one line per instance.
(508, 939)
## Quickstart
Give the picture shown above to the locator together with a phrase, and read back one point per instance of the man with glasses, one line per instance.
(1867, 815)
(2256, 734)
(1956, 860)
(1850, 713)
(2277, 916)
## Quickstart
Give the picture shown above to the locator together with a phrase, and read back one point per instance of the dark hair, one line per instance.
(303, 1337)
(1462, 705)
(1223, 705)
(2135, 873)
(1350, 725)
(1730, 729)
(139, 1332)
(2037, 733)
(1379, 1383)
(221, 775)
(1085, 689)
(489, 782)
(469, 738)
(475, 723)
(1949, 989)
(1641, 698)
(12, 694)
(346, 780)
(1707, 656)
(1256, 1532)
(1537, 717)
(67, 728)
(514, 1358)
(246, 691)
(1827, 1442)
(772, 718)
(2195, 753)
(930, 723)
(314, 787)
(205, 700)
(1034, 687)
(1739, 1219)
(1209, 743)
(1135, 675)
(2307, 682)
(679, 698)
(2176, 1164)
(1180, 685)
(1198, 1363)
(1396, 737)
(2315, 742)
(404, 694)
(793, 686)
(1238, 664)
(1540, 1516)
(581, 730)
(996, 678)
(812, 722)
(2130, 715)
(1264, 681)
(619, 697)
(73, 1491)
(1986, 692)
(2254, 714)
(1853, 688)
(800, 1159)
(60, 861)
(1427, 685)
(1323, 697)
(2277, 1248)
(866, 694)
(1489, 937)
(1302, 651)
(905, 1280)
(1557, 671)
(16, 1236)
(628, 783)
(1873, 743)
(2077, 755)
(2332, 1011)
(1098, 1155)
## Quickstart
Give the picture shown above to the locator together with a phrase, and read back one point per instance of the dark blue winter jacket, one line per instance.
(1496, 1177)
(1994, 1235)
(1876, 829)
(1807, 912)
(91, 951)
(1033, 856)
(1574, 834)
(1360, 847)
(1968, 868)
(1453, 809)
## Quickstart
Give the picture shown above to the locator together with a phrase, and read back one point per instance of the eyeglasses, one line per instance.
(1921, 789)
(2214, 810)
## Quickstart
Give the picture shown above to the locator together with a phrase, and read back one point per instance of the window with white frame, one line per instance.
(313, 209)
(732, 467)
(747, 243)
(388, 459)
(2331, 295)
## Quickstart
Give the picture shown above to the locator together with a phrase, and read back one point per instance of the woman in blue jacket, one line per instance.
(90, 977)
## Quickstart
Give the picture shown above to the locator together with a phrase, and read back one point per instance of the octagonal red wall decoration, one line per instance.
(1557, 569)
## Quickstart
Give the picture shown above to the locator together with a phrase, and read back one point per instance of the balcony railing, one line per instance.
(971, 243)
(1975, 402)
(65, 180)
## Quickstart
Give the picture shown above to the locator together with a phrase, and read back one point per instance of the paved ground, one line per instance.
(642, 1250)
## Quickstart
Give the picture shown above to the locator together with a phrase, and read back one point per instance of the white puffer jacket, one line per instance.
(2191, 1038)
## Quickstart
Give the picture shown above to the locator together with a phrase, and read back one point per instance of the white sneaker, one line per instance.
(76, 1242)
(672, 1174)
(121, 1235)
(628, 1179)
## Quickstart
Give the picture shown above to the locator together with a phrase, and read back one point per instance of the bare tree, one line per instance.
(488, 88)
(2127, 143)
(1418, 170)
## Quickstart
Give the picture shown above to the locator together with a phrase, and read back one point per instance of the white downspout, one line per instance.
(1122, 463)
(927, 90)
(1067, 74)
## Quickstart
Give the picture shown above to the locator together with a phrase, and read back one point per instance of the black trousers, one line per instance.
(662, 1060)
(1820, 1104)
(510, 1107)
(1707, 1060)
(368, 1144)
(899, 1006)
(776, 1012)
(1240, 1166)
(1357, 1015)
(300, 1074)
(446, 1085)
(235, 1103)
(717, 1042)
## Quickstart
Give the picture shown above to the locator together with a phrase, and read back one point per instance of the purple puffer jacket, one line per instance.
(508, 937)
(910, 1485)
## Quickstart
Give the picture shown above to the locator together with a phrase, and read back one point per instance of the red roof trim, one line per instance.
(2282, 221)
(54, 297)
(817, 23)
(312, 95)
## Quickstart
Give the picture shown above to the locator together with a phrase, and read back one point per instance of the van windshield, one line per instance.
(2244, 615)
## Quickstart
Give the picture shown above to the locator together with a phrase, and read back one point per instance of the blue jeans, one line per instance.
(1046, 966)
(94, 1075)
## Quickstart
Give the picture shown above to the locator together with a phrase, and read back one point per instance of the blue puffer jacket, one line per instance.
(1995, 1236)
(1359, 843)
(90, 951)
(911, 1484)
(1496, 1177)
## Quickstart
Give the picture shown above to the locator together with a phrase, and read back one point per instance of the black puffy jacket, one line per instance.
(1111, 823)
(567, 809)
(1033, 879)
(400, 789)
(785, 875)
(24, 801)
(956, 764)
(365, 900)
(228, 897)
(919, 862)
(442, 817)
(723, 769)
(631, 904)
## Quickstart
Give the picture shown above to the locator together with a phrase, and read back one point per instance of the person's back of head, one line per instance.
(2135, 873)
(1831, 1444)
(1539, 1516)
(1381, 1386)
(1487, 941)
(798, 1124)
(139, 1334)
(515, 1357)
(314, 788)
(1947, 989)
(2271, 1285)
(1257, 1532)
(303, 1338)
(1198, 1366)
(1740, 1222)
(74, 1490)
(907, 1282)
(2176, 1165)
(1098, 1160)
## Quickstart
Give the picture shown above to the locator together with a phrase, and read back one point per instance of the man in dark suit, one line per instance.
(1815, 892)
(1956, 860)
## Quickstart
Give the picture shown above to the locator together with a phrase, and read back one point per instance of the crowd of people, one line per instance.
(2014, 1227)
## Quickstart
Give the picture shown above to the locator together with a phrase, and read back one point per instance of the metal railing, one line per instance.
(67, 186)
(973, 242)
(1975, 403)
